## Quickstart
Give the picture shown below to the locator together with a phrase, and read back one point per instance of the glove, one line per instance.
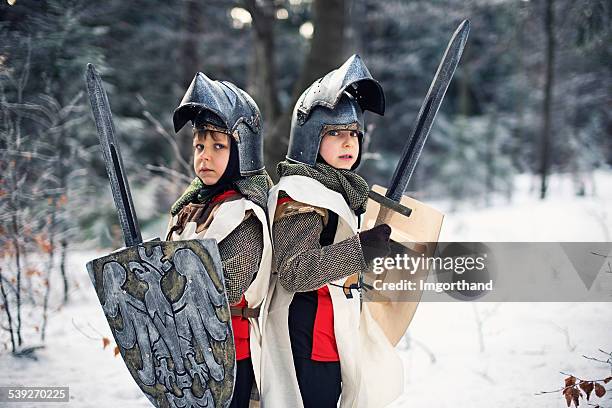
(375, 242)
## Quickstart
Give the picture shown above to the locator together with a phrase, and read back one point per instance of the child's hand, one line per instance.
(375, 242)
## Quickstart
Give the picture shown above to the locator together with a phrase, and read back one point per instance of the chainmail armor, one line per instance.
(241, 254)
(302, 263)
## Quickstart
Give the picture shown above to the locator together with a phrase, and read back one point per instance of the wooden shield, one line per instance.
(418, 234)
(166, 306)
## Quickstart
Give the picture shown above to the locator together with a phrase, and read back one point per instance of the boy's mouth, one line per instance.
(346, 157)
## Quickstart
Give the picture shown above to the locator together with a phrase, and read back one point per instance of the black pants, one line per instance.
(320, 382)
(243, 384)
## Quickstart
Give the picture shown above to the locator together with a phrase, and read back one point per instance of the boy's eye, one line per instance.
(332, 133)
(219, 146)
(354, 134)
(199, 147)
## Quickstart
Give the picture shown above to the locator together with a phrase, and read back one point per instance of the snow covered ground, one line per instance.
(525, 345)
(449, 362)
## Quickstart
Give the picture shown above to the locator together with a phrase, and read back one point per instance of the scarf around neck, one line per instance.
(254, 188)
(352, 186)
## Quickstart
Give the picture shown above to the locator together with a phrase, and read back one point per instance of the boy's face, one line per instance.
(340, 148)
(211, 152)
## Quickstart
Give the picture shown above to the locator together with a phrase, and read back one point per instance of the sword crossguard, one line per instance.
(387, 207)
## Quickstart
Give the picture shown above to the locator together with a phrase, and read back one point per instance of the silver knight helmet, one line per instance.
(339, 98)
(224, 105)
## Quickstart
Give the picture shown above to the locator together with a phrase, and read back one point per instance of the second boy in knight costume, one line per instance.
(319, 346)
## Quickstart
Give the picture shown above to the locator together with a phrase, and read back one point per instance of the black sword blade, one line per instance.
(427, 113)
(112, 158)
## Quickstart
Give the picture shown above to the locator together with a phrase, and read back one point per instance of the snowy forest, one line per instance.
(524, 132)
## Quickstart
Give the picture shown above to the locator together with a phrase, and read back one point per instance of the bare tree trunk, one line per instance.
(190, 58)
(326, 53)
(23, 80)
(46, 296)
(327, 45)
(8, 311)
(191, 63)
(545, 145)
(264, 81)
(64, 245)
(18, 271)
(490, 158)
(521, 101)
(356, 32)
(465, 105)
(49, 268)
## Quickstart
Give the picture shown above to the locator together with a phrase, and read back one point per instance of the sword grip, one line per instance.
(383, 216)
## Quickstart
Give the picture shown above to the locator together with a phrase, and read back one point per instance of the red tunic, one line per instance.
(324, 346)
(240, 325)
(321, 333)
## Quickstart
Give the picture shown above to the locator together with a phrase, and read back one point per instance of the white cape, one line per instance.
(372, 373)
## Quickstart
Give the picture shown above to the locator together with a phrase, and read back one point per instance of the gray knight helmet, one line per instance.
(224, 105)
(339, 98)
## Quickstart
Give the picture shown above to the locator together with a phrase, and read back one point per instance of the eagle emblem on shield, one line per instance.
(165, 303)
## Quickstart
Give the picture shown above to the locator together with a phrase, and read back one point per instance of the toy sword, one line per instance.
(422, 125)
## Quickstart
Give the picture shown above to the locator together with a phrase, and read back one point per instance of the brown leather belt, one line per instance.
(244, 312)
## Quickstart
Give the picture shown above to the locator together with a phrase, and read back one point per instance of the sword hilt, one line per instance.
(387, 208)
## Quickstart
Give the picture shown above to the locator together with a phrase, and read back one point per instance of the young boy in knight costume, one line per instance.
(226, 201)
(319, 346)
